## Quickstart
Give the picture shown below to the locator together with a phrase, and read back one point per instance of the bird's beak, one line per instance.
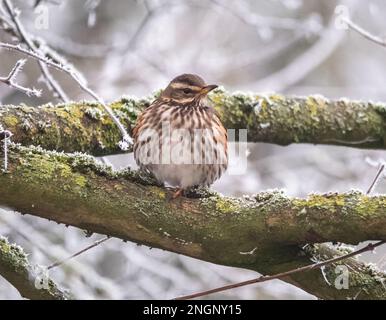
(205, 90)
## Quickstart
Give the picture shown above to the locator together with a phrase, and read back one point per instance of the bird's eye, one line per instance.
(187, 91)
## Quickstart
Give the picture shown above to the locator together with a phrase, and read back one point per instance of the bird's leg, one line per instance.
(178, 193)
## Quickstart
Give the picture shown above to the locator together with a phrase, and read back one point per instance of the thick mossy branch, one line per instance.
(28, 279)
(84, 126)
(74, 190)
(81, 126)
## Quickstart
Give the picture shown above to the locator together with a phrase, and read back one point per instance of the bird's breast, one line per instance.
(182, 146)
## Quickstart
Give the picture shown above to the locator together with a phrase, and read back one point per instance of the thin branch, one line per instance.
(366, 34)
(96, 243)
(10, 80)
(376, 179)
(36, 56)
(126, 139)
(369, 247)
(16, 69)
(24, 37)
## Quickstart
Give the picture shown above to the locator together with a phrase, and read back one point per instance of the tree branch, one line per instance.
(74, 190)
(84, 126)
(16, 269)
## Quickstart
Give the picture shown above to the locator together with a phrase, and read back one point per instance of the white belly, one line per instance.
(180, 175)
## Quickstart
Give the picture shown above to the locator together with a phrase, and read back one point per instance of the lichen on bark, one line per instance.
(73, 189)
(273, 118)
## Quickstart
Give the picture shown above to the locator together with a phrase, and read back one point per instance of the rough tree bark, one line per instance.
(83, 126)
(263, 233)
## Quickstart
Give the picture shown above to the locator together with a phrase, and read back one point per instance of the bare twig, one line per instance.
(366, 34)
(369, 247)
(24, 37)
(36, 56)
(376, 179)
(96, 243)
(10, 80)
(126, 139)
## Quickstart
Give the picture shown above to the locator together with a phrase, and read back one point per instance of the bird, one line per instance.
(180, 139)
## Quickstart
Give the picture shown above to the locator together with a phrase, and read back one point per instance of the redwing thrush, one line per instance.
(179, 138)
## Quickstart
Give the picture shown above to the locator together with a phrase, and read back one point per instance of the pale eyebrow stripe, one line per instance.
(186, 100)
(183, 85)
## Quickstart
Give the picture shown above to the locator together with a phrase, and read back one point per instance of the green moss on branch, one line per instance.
(274, 118)
(74, 190)
(81, 126)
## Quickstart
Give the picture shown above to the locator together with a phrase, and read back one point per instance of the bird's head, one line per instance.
(187, 89)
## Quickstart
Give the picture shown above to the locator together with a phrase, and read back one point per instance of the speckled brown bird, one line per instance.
(179, 138)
